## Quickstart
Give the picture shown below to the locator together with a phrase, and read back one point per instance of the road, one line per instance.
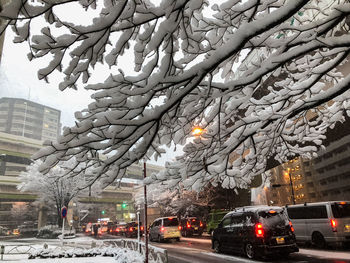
(198, 250)
(195, 250)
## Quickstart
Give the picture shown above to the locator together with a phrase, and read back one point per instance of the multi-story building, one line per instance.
(24, 125)
(29, 119)
(331, 171)
(291, 180)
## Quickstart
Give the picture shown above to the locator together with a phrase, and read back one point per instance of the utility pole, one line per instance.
(291, 187)
(145, 208)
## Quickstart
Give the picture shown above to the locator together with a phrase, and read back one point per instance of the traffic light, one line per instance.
(103, 212)
(124, 205)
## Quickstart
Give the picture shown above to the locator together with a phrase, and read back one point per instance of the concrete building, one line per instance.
(29, 119)
(291, 180)
(330, 171)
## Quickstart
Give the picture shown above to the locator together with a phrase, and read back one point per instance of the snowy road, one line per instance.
(194, 250)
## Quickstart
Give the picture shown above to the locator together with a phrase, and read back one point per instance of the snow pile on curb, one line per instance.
(122, 255)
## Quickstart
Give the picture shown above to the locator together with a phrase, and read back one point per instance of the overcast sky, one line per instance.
(18, 78)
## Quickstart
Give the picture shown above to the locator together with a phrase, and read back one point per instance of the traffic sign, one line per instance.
(64, 212)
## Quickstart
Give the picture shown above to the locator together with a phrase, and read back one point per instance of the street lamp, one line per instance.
(290, 184)
(197, 131)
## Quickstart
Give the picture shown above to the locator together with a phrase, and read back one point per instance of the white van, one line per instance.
(321, 223)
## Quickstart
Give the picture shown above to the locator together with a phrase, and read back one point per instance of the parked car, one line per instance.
(191, 226)
(165, 228)
(321, 223)
(255, 231)
(214, 219)
(132, 228)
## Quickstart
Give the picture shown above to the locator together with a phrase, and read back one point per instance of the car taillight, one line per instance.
(201, 224)
(188, 225)
(179, 227)
(291, 226)
(130, 229)
(141, 228)
(117, 230)
(162, 229)
(259, 231)
(334, 225)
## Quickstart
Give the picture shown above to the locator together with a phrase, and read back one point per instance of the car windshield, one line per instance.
(273, 217)
(341, 210)
(171, 222)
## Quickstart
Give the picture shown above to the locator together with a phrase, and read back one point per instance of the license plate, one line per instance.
(347, 228)
(280, 240)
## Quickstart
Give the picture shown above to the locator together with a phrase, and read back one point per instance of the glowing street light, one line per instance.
(197, 131)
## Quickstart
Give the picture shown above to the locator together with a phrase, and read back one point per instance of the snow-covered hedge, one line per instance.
(49, 231)
(122, 255)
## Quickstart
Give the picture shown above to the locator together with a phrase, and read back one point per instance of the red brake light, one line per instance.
(141, 228)
(201, 224)
(334, 225)
(180, 227)
(188, 225)
(117, 230)
(259, 231)
(291, 226)
(130, 229)
(162, 229)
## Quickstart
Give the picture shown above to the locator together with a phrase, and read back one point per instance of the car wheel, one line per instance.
(249, 251)
(217, 246)
(318, 240)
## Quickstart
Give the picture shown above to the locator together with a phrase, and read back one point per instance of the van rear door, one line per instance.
(341, 214)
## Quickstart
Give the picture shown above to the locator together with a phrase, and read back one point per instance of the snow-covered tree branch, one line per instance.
(263, 78)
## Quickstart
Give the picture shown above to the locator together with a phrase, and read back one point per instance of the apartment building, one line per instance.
(331, 171)
(29, 119)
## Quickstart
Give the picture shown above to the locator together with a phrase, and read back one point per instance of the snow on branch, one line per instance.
(263, 78)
